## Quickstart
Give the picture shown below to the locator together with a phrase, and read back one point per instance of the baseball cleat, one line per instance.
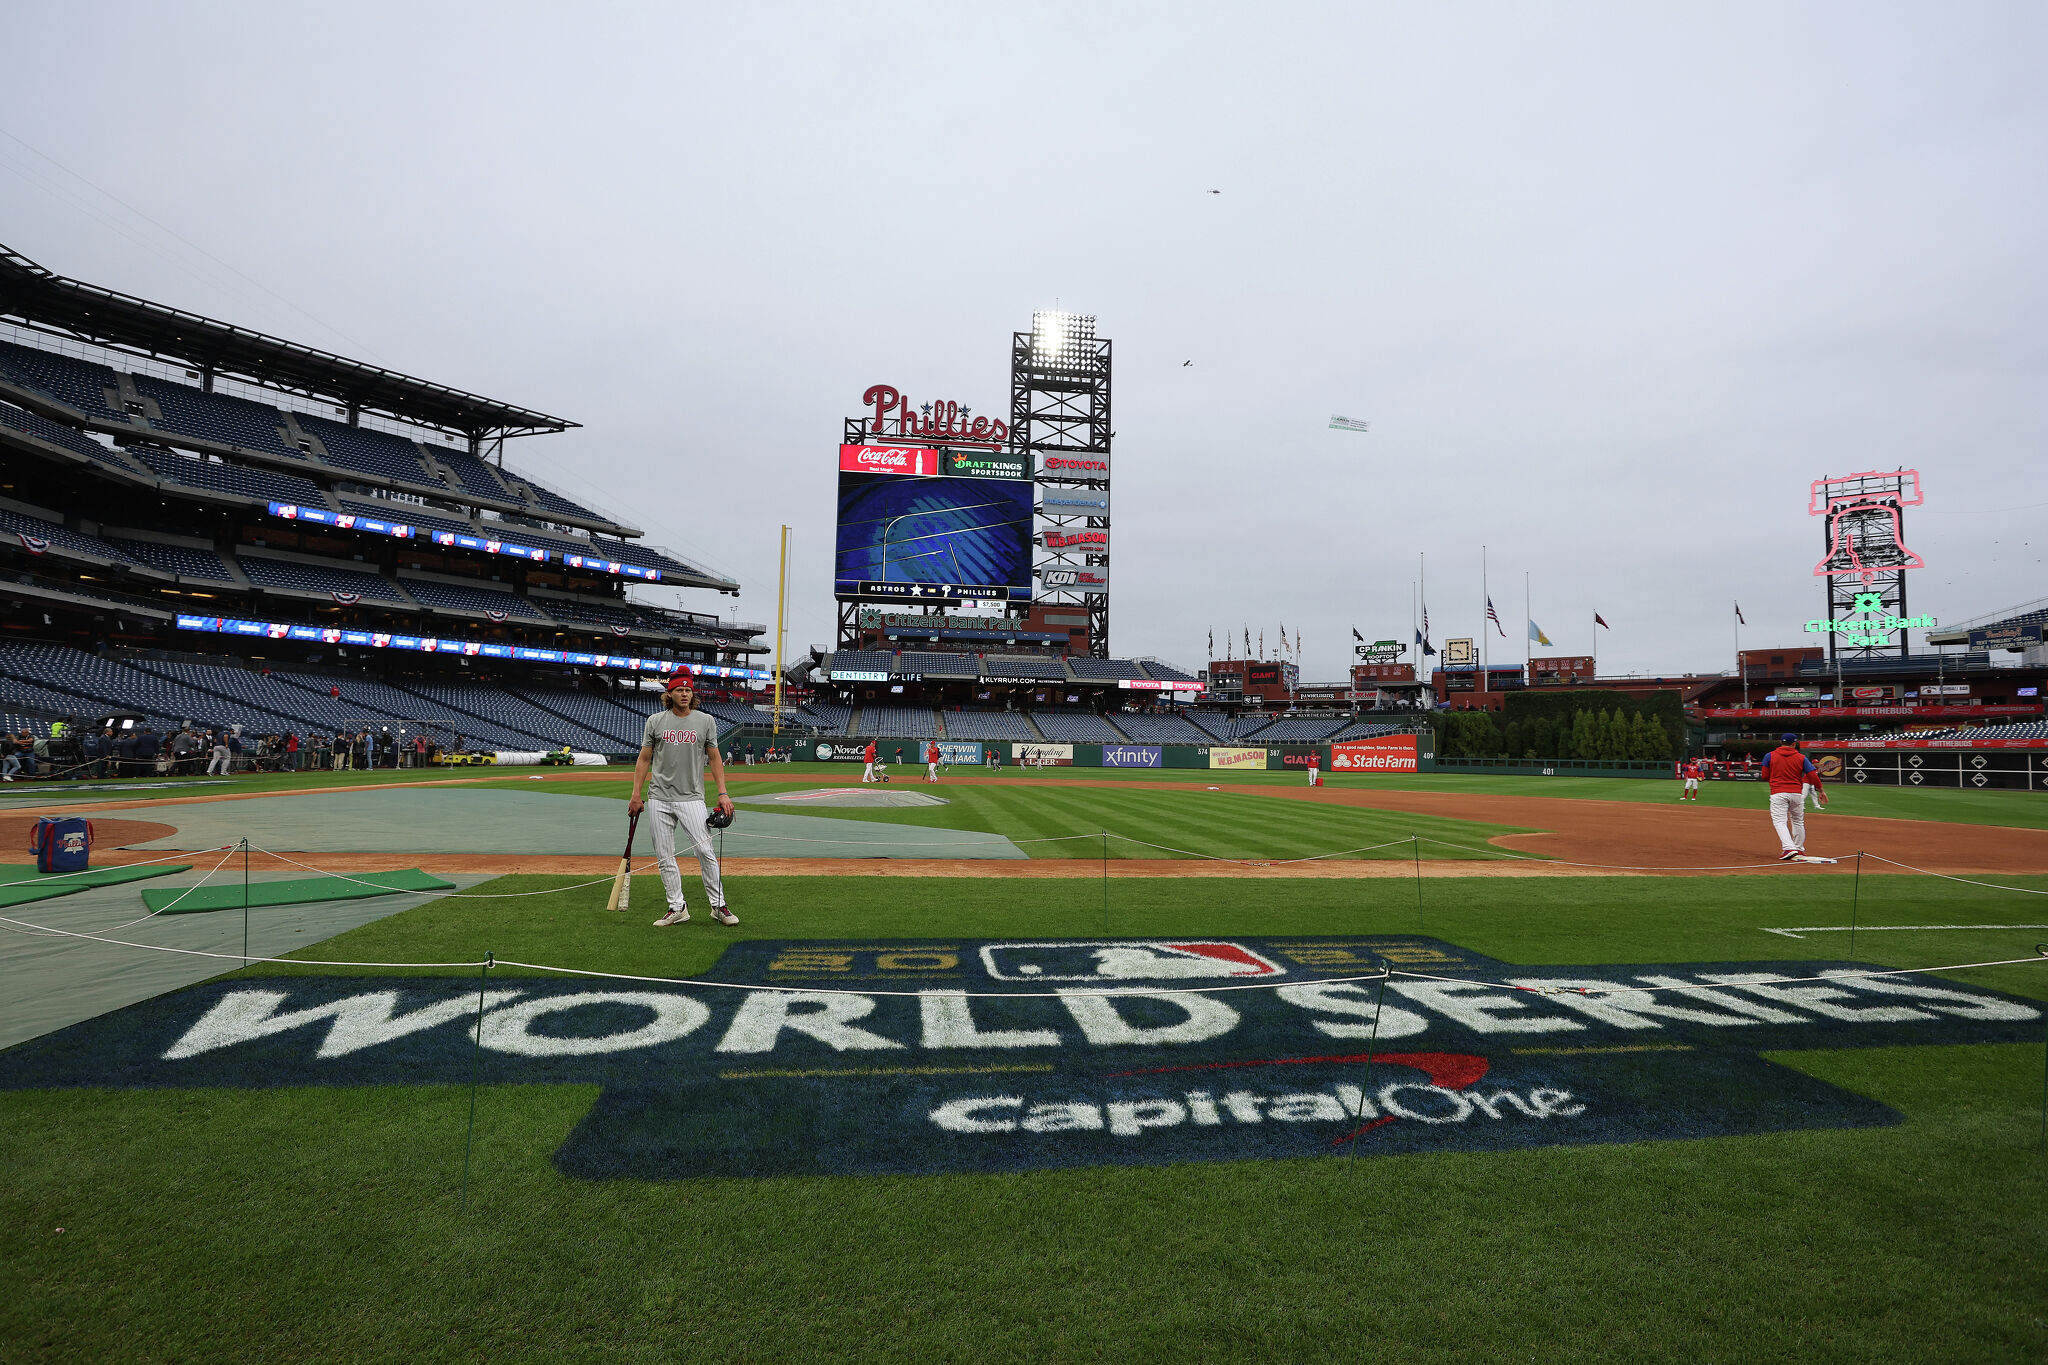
(680, 916)
(723, 915)
(1790, 855)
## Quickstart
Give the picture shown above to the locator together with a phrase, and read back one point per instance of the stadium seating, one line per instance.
(28, 424)
(197, 471)
(186, 561)
(59, 536)
(1077, 727)
(617, 721)
(1365, 729)
(584, 610)
(1165, 672)
(646, 556)
(188, 411)
(80, 384)
(988, 725)
(885, 720)
(863, 661)
(372, 452)
(13, 723)
(1105, 670)
(1229, 729)
(104, 682)
(1299, 729)
(291, 575)
(1023, 666)
(475, 602)
(939, 665)
(831, 717)
(471, 473)
(511, 713)
(1151, 729)
(554, 502)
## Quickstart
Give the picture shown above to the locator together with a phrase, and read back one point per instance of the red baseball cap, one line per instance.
(681, 677)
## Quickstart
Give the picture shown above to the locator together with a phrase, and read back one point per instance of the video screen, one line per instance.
(943, 532)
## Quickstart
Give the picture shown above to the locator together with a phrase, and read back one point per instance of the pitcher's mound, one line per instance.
(847, 796)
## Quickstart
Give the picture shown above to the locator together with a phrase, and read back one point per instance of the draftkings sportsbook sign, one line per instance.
(990, 1055)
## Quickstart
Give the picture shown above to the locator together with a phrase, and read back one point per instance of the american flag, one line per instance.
(1494, 617)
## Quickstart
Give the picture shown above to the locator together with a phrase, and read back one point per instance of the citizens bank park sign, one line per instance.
(932, 1055)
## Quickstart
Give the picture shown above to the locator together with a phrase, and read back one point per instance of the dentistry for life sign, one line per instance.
(1394, 754)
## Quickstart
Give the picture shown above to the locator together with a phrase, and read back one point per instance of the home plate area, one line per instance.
(850, 1057)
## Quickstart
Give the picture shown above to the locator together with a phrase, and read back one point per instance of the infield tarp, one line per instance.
(887, 1057)
(292, 891)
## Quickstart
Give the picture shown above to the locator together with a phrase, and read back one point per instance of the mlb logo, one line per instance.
(380, 640)
(444, 537)
(1120, 961)
(277, 630)
(346, 521)
(289, 513)
(493, 545)
(331, 636)
(471, 647)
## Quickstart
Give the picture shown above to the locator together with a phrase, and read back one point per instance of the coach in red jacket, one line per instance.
(1788, 771)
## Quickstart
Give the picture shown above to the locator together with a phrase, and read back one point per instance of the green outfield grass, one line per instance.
(324, 1224)
(1069, 822)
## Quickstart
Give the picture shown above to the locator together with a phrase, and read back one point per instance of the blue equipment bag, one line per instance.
(61, 843)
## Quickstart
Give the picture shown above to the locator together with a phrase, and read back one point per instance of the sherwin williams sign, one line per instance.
(958, 751)
(1394, 754)
(1132, 756)
(922, 1056)
(1236, 758)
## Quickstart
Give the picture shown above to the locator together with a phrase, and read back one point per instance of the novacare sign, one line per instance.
(919, 1056)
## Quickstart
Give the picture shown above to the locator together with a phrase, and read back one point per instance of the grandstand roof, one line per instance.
(52, 303)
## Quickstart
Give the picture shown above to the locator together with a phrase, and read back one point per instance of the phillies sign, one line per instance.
(942, 421)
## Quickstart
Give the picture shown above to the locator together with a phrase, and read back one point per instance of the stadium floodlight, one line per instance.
(1062, 340)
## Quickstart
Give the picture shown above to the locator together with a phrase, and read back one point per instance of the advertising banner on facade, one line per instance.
(1220, 757)
(1295, 756)
(958, 751)
(1390, 754)
(1044, 755)
(1132, 756)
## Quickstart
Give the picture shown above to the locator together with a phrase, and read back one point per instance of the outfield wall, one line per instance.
(1403, 754)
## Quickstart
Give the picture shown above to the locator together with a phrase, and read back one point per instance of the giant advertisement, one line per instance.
(1391, 754)
(1220, 757)
(910, 529)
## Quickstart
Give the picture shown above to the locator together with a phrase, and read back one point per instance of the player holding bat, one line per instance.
(678, 743)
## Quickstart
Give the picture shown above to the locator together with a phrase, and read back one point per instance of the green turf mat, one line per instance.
(34, 886)
(297, 891)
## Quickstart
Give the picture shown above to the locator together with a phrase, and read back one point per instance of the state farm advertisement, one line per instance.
(888, 460)
(1394, 754)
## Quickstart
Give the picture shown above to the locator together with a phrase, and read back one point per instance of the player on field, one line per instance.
(1787, 770)
(1315, 770)
(1813, 792)
(676, 745)
(931, 761)
(868, 773)
(1691, 773)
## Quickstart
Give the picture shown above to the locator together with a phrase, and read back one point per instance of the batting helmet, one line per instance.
(718, 819)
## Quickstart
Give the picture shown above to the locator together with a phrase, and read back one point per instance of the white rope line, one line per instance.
(2040, 955)
(180, 896)
(87, 872)
(231, 957)
(1247, 862)
(1995, 886)
(454, 895)
(1612, 867)
(1690, 989)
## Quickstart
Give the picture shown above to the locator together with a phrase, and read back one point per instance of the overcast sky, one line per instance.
(1612, 283)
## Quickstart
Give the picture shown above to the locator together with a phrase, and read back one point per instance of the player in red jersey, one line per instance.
(1690, 772)
(1788, 771)
(931, 761)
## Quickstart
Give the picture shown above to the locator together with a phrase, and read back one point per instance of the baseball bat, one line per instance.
(622, 884)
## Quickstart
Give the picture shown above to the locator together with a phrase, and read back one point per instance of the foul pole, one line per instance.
(781, 603)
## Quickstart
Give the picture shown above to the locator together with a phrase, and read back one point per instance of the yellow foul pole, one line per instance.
(781, 601)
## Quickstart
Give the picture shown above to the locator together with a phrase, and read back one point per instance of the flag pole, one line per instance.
(1528, 627)
(1738, 656)
(1485, 644)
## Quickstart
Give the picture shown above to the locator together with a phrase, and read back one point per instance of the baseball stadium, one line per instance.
(362, 1000)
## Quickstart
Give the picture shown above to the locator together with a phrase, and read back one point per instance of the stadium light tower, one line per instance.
(1059, 421)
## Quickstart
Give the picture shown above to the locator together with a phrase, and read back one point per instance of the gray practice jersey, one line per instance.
(679, 744)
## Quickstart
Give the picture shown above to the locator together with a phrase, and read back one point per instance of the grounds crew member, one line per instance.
(1787, 770)
(676, 744)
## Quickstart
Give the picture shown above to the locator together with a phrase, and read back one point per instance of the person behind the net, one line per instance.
(931, 761)
(868, 754)
(1787, 770)
(676, 745)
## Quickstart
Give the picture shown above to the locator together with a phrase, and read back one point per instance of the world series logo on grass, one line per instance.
(865, 1057)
